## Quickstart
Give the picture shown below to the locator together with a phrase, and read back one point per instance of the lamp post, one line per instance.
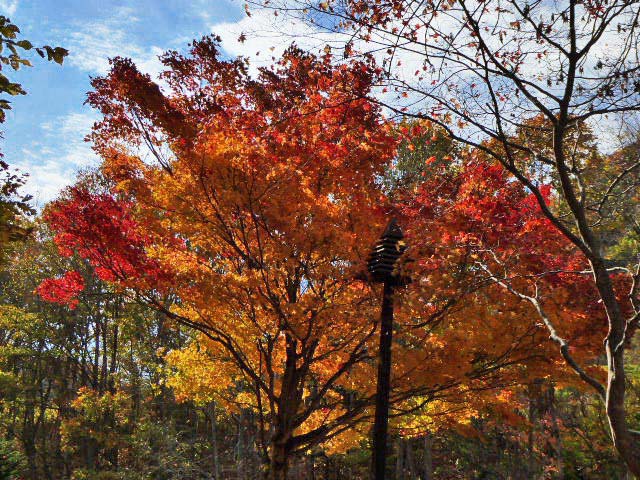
(381, 265)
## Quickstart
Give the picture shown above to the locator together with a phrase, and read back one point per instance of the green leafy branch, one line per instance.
(11, 51)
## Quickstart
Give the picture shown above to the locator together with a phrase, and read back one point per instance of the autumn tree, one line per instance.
(482, 70)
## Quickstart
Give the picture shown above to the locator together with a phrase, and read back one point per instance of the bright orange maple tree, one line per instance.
(249, 220)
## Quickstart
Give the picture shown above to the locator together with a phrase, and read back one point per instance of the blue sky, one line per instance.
(44, 132)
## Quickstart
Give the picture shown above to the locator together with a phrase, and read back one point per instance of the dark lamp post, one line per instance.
(381, 265)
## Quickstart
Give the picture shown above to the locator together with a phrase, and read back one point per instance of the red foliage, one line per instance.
(479, 207)
(468, 220)
(100, 228)
(63, 290)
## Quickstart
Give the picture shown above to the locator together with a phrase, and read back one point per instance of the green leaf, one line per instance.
(25, 44)
(10, 88)
(9, 30)
(58, 54)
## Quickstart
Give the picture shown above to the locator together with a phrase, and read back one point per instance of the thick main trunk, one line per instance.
(279, 462)
(290, 398)
(626, 442)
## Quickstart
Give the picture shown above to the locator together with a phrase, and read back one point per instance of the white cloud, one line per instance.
(8, 7)
(54, 162)
(92, 44)
(46, 181)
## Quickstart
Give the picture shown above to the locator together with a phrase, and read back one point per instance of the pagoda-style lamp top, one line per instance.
(385, 254)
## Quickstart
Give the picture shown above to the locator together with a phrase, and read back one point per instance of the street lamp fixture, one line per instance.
(382, 267)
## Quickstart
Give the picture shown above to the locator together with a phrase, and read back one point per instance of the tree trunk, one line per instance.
(289, 401)
(214, 440)
(399, 459)
(531, 459)
(428, 457)
(311, 467)
(410, 464)
(240, 452)
(626, 442)
(31, 454)
(623, 438)
(555, 426)
(279, 462)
